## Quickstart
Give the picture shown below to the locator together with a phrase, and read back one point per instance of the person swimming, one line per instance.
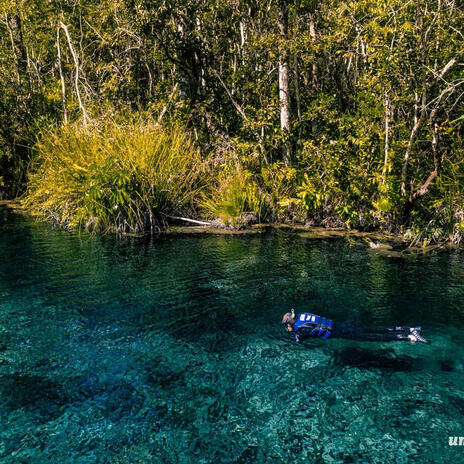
(306, 325)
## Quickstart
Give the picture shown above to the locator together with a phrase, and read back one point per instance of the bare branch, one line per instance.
(237, 106)
(163, 111)
(76, 79)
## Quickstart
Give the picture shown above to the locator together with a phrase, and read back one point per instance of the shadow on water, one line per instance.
(32, 392)
(115, 398)
(457, 402)
(385, 359)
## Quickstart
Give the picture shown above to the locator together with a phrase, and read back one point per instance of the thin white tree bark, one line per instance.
(13, 48)
(165, 107)
(193, 221)
(283, 76)
(76, 77)
(387, 138)
(418, 120)
(63, 86)
(312, 33)
(283, 96)
(14, 26)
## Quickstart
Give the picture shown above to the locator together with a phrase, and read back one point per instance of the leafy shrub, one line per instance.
(279, 183)
(123, 177)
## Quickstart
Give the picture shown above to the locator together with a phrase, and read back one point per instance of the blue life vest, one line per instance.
(321, 325)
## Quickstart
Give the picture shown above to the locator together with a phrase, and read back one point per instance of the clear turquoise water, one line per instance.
(170, 350)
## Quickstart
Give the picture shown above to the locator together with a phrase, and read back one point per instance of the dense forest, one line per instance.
(119, 114)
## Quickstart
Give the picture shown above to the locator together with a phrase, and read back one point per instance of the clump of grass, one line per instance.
(124, 177)
(236, 200)
(280, 184)
(241, 197)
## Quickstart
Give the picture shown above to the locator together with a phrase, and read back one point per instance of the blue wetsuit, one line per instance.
(311, 325)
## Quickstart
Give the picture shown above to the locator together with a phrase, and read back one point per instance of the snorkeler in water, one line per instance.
(306, 325)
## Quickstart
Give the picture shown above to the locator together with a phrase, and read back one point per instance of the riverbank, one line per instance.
(378, 242)
(129, 175)
(381, 243)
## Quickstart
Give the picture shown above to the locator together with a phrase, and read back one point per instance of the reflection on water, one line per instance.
(170, 350)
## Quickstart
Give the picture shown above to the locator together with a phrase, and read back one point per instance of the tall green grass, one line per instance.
(241, 196)
(125, 177)
(234, 197)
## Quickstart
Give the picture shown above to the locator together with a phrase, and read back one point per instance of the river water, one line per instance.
(169, 350)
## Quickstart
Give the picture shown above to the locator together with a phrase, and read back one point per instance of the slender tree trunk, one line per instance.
(183, 78)
(387, 137)
(242, 114)
(283, 76)
(242, 42)
(296, 75)
(165, 107)
(13, 49)
(63, 86)
(76, 77)
(297, 88)
(312, 33)
(436, 146)
(314, 82)
(17, 44)
(418, 120)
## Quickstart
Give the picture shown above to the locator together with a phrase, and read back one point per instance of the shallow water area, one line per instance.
(170, 350)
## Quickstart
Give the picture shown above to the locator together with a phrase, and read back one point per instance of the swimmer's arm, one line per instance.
(301, 335)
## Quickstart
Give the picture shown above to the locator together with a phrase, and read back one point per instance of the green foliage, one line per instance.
(360, 74)
(311, 199)
(235, 197)
(113, 177)
(279, 184)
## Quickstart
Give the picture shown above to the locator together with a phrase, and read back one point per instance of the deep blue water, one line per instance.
(169, 350)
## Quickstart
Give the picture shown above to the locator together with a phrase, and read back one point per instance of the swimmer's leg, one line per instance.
(373, 334)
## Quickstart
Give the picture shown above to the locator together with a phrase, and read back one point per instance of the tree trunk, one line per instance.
(387, 138)
(76, 74)
(297, 88)
(17, 44)
(418, 120)
(283, 76)
(60, 69)
(183, 78)
(242, 42)
(312, 32)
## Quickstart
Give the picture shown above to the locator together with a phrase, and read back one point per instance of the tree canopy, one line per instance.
(356, 106)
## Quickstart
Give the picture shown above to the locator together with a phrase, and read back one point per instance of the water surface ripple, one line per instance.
(169, 350)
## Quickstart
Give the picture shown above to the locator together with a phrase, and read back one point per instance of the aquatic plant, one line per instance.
(124, 176)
